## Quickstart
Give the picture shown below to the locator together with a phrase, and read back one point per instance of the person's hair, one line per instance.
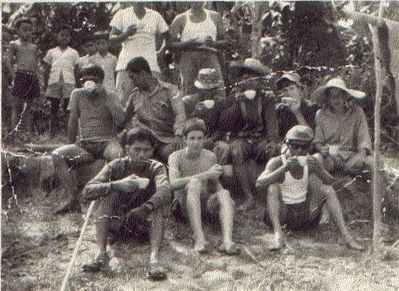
(65, 27)
(141, 134)
(92, 70)
(23, 20)
(138, 65)
(194, 124)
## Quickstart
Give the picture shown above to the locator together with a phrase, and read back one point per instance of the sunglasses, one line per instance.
(297, 146)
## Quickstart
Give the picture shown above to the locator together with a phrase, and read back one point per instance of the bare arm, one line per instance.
(73, 124)
(221, 41)
(178, 182)
(180, 112)
(46, 74)
(274, 172)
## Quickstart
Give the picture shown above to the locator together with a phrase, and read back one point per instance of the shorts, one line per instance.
(26, 85)
(305, 215)
(209, 205)
(95, 148)
(59, 90)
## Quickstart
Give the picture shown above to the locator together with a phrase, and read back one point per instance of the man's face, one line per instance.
(139, 80)
(336, 98)
(25, 31)
(102, 45)
(195, 141)
(64, 37)
(292, 91)
(196, 5)
(298, 149)
(140, 151)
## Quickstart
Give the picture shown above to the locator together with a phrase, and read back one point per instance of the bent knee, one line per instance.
(113, 151)
(194, 185)
(224, 198)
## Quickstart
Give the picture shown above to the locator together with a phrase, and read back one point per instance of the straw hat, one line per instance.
(320, 94)
(207, 79)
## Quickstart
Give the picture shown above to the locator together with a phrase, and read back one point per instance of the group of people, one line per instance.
(285, 149)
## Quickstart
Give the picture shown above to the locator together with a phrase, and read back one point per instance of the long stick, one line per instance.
(75, 251)
(377, 200)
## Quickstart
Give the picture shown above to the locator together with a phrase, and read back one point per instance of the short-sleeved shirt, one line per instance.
(96, 115)
(159, 110)
(108, 64)
(62, 64)
(286, 119)
(349, 131)
(142, 43)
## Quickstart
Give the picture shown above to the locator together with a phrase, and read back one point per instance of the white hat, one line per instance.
(319, 95)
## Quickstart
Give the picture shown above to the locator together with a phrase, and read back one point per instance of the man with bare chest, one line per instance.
(24, 57)
(194, 176)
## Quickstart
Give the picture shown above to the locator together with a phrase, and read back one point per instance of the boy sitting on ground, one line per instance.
(194, 176)
(132, 193)
(297, 188)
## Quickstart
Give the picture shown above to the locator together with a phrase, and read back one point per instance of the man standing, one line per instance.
(132, 193)
(95, 113)
(158, 106)
(201, 33)
(137, 28)
(194, 175)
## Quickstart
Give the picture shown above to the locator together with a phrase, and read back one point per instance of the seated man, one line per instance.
(158, 106)
(93, 111)
(293, 109)
(254, 127)
(297, 188)
(342, 134)
(208, 103)
(194, 176)
(132, 193)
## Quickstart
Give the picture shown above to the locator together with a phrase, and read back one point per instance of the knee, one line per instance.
(194, 186)
(273, 191)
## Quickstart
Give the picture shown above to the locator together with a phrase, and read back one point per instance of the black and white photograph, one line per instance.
(200, 145)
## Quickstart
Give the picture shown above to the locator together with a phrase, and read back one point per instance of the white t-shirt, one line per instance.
(108, 64)
(142, 43)
(62, 63)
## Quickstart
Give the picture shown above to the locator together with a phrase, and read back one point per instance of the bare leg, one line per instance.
(245, 181)
(334, 207)
(226, 215)
(194, 214)
(69, 184)
(157, 230)
(274, 208)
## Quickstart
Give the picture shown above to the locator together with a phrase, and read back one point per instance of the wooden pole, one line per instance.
(78, 243)
(377, 187)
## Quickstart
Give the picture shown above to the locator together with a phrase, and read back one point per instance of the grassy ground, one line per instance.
(37, 246)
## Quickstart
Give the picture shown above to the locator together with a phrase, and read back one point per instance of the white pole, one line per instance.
(78, 243)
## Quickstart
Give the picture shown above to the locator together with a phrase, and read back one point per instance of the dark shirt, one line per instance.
(286, 119)
(124, 167)
(251, 118)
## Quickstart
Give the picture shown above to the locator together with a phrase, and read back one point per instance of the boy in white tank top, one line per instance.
(297, 188)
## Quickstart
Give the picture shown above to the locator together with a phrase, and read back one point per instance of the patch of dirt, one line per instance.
(37, 246)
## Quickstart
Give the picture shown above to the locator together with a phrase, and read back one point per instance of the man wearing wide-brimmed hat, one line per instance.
(253, 125)
(207, 103)
(342, 134)
(293, 109)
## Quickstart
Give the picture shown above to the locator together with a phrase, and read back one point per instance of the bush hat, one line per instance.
(290, 76)
(207, 79)
(319, 95)
(253, 66)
